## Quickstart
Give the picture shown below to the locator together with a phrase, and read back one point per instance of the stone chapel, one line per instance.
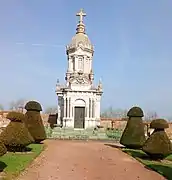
(79, 99)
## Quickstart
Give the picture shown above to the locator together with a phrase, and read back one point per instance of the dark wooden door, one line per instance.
(79, 118)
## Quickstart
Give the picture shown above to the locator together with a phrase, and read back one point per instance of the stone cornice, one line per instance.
(80, 91)
(73, 49)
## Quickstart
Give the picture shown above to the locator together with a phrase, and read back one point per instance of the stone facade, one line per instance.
(79, 100)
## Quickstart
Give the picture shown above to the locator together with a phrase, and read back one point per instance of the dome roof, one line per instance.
(80, 39)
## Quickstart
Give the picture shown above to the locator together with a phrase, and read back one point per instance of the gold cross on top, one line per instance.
(81, 14)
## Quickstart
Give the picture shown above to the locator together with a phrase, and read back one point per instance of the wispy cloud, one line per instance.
(47, 45)
(36, 44)
(19, 43)
(41, 44)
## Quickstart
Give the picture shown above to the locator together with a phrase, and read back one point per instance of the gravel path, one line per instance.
(76, 160)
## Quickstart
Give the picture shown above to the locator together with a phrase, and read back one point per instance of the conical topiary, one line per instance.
(33, 121)
(16, 136)
(134, 135)
(158, 145)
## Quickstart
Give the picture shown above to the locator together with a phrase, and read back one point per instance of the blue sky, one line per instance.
(133, 50)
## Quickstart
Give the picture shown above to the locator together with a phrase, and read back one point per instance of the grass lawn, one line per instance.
(164, 167)
(13, 163)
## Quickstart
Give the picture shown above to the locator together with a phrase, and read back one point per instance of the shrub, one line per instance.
(33, 106)
(16, 136)
(52, 120)
(114, 133)
(33, 121)
(159, 124)
(134, 135)
(15, 116)
(135, 112)
(158, 145)
(3, 149)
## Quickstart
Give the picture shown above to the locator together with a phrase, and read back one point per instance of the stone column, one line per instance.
(87, 115)
(68, 113)
(76, 63)
(71, 108)
(59, 113)
(68, 107)
(98, 111)
(64, 114)
(95, 114)
(87, 65)
(69, 64)
(87, 110)
(72, 64)
(91, 107)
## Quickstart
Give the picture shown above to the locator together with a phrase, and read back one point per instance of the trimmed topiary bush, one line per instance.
(158, 145)
(33, 121)
(16, 136)
(134, 135)
(3, 149)
(15, 116)
(159, 124)
(33, 106)
(135, 112)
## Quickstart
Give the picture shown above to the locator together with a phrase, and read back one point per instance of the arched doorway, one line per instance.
(79, 114)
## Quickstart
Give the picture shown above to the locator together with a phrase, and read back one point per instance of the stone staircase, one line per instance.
(70, 133)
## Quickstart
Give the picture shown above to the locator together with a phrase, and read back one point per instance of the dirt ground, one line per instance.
(76, 160)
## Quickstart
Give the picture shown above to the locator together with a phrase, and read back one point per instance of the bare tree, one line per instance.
(151, 115)
(51, 110)
(16, 105)
(114, 113)
(1, 107)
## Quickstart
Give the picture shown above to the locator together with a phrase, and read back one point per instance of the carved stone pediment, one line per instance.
(80, 44)
(79, 79)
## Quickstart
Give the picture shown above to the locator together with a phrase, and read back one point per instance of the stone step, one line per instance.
(70, 133)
